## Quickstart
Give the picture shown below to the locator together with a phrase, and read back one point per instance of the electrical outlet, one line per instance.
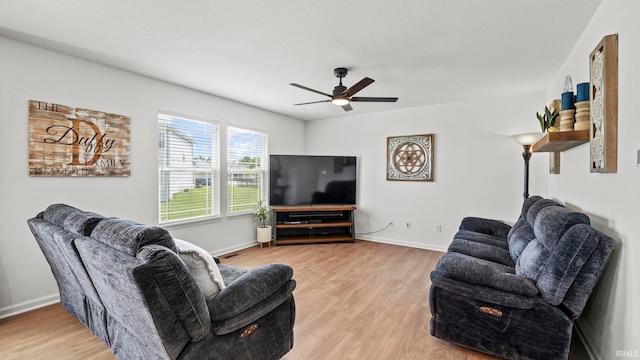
(438, 228)
(407, 225)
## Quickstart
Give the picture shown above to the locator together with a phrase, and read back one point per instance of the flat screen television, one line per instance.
(312, 180)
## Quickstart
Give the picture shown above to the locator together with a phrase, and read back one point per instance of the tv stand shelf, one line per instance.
(313, 224)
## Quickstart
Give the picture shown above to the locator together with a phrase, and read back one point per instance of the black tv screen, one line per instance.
(312, 179)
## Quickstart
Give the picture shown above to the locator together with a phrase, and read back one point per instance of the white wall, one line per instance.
(478, 168)
(28, 72)
(611, 321)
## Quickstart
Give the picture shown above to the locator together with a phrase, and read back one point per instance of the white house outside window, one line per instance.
(247, 164)
(188, 166)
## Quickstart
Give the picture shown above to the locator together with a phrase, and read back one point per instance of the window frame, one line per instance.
(213, 181)
(262, 171)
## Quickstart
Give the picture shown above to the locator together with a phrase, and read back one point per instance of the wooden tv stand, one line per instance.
(313, 224)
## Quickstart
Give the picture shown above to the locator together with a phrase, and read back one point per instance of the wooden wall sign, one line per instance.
(67, 141)
(603, 69)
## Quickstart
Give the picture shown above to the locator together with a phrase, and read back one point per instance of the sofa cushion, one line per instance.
(565, 262)
(538, 206)
(522, 219)
(138, 315)
(55, 230)
(532, 260)
(484, 280)
(71, 219)
(202, 267)
(522, 231)
(482, 238)
(577, 295)
(519, 240)
(485, 226)
(175, 287)
(230, 273)
(130, 237)
(481, 250)
(49, 238)
(551, 224)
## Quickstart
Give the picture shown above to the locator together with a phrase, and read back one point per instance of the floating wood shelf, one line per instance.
(560, 141)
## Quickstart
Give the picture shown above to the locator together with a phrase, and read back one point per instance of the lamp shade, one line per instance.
(526, 138)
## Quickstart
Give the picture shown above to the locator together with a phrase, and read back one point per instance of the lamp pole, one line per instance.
(526, 155)
(526, 140)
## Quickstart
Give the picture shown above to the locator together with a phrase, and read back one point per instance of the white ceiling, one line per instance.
(422, 51)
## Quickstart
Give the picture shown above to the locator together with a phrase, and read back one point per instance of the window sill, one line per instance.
(177, 224)
(240, 214)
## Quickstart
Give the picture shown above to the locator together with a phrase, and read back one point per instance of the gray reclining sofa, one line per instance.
(126, 283)
(514, 292)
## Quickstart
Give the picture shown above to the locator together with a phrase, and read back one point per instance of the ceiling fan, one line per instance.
(343, 96)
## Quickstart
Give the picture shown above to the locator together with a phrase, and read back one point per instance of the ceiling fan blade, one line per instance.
(309, 89)
(347, 107)
(313, 102)
(375, 99)
(357, 87)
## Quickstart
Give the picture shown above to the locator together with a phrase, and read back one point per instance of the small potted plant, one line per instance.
(262, 213)
(548, 119)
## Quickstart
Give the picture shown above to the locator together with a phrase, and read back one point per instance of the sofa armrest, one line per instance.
(483, 280)
(485, 226)
(251, 296)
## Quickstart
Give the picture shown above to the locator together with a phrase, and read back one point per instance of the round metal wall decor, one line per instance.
(410, 158)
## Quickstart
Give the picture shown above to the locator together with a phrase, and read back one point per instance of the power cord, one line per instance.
(390, 224)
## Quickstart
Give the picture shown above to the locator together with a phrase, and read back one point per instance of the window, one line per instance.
(188, 166)
(247, 164)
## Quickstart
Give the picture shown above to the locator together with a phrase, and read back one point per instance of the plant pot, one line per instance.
(263, 235)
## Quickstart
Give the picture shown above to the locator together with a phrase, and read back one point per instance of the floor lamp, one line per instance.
(526, 140)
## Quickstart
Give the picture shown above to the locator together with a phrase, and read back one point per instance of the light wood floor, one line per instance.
(353, 301)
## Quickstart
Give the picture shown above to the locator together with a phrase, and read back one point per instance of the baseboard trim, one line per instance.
(585, 339)
(404, 243)
(231, 249)
(28, 305)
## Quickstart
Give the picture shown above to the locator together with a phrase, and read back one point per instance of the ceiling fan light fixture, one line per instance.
(343, 96)
(340, 100)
